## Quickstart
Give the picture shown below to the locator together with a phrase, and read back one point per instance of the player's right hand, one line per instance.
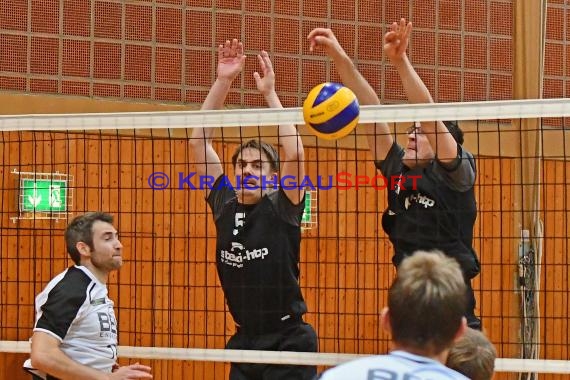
(231, 59)
(133, 371)
(324, 39)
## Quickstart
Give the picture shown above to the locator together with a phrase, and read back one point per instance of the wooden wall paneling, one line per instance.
(555, 262)
(509, 295)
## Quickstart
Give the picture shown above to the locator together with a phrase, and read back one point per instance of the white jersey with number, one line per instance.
(74, 308)
(398, 365)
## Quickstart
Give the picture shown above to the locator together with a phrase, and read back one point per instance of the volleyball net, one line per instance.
(169, 304)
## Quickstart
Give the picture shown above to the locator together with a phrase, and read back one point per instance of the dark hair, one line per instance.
(473, 355)
(455, 131)
(268, 149)
(427, 301)
(81, 229)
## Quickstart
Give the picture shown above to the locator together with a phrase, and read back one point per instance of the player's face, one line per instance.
(253, 174)
(107, 249)
(418, 151)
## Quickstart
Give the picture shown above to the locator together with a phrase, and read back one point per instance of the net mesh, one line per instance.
(162, 51)
(169, 302)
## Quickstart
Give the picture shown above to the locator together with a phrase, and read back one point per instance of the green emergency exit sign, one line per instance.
(43, 195)
(306, 218)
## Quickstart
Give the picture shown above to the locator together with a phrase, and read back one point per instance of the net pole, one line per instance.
(528, 73)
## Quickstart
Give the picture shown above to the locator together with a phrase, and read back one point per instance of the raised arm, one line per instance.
(379, 138)
(395, 45)
(294, 154)
(230, 63)
(49, 358)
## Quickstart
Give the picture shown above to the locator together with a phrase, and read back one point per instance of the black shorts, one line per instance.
(36, 377)
(300, 337)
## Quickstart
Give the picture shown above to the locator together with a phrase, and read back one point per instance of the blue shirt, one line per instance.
(397, 365)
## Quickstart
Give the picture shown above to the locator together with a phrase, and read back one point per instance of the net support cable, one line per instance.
(506, 109)
(286, 357)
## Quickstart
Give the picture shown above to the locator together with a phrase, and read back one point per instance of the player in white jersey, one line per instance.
(75, 334)
(425, 311)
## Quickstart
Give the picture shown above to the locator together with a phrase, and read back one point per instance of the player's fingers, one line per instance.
(402, 24)
(390, 37)
(226, 48)
(408, 29)
(140, 367)
(261, 62)
(266, 60)
(139, 375)
(311, 45)
(256, 76)
(319, 32)
(322, 41)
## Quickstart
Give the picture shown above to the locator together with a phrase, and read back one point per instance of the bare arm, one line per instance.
(49, 358)
(395, 45)
(294, 154)
(379, 138)
(230, 63)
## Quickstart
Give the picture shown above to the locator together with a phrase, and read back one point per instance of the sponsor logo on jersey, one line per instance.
(98, 301)
(420, 199)
(237, 255)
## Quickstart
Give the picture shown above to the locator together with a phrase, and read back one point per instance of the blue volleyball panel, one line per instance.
(342, 119)
(326, 92)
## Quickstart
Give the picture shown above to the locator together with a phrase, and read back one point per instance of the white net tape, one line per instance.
(262, 116)
(286, 357)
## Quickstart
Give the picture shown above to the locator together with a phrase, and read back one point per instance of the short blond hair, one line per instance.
(427, 302)
(473, 355)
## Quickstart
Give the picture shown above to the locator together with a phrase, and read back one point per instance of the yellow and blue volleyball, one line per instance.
(331, 111)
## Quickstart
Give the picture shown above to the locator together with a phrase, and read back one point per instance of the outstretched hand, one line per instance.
(396, 40)
(266, 80)
(133, 371)
(231, 59)
(325, 40)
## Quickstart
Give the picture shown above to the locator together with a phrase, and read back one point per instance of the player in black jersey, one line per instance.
(75, 334)
(436, 210)
(258, 230)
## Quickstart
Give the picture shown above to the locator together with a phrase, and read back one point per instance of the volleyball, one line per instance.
(331, 111)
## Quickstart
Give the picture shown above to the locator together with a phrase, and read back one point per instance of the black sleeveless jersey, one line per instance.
(257, 256)
(433, 207)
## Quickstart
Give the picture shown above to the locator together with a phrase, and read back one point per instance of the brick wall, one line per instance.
(164, 50)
